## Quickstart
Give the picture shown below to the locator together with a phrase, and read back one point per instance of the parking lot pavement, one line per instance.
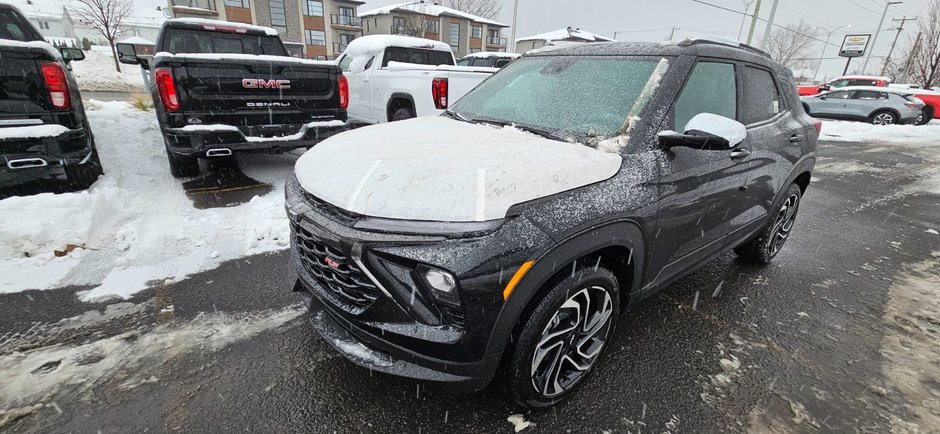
(839, 334)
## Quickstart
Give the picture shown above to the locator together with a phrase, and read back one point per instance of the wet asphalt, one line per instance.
(801, 341)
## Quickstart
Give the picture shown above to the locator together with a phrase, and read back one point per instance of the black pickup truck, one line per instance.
(221, 88)
(44, 134)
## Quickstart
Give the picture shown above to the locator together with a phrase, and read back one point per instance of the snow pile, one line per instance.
(136, 224)
(839, 131)
(96, 73)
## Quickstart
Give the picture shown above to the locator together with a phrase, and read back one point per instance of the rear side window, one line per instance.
(464, 62)
(711, 88)
(345, 61)
(502, 62)
(14, 28)
(858, 82)
(205, 41)
(761, 97)
(869, 95)
(418, 56)
(843, 94)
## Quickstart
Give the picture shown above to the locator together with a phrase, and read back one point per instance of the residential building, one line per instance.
(567, 35)
(466, 33)
(57, 24)
(318, 28)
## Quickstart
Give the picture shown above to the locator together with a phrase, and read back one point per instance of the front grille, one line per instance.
(333, 270)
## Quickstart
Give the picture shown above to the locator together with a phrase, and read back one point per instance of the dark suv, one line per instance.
(511, 231)
(44, 133)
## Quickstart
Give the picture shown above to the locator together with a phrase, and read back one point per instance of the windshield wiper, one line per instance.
(534, 130)
(456, 115)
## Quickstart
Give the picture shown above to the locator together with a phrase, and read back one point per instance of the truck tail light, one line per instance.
(58, 85)
(167, 89)
(439, 91)
(343, 92)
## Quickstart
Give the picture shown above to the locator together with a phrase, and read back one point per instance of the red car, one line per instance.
(932, 99)
(840, 82)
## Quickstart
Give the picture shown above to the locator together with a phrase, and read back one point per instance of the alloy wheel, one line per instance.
(783, 223)
(571, 341)
(883, 119)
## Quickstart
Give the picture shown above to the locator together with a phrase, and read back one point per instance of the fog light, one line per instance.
(440, 280)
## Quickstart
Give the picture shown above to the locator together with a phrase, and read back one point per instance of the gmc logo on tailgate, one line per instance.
(260, 83)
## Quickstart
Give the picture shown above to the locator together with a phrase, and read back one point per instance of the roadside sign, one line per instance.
(854, 45)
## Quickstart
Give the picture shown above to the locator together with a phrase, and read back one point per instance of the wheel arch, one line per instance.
(398, 100)
(619, 246)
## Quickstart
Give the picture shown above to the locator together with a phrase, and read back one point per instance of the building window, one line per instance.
(476, 32)
(432, 26)
(237, 3)
(44, 25)
(316, 37)
(346, 38)
(346, 12)
(455, 36)
(313, 8)
(278, 16)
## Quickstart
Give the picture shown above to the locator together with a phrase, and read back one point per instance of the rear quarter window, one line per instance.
(418, 56)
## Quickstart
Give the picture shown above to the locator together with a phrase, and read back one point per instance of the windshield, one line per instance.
(205, 41)
(574, 97)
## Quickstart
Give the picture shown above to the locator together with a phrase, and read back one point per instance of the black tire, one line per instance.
(765, 246)
(403, 113)
(182, 166)
(883, 117)
(520, 370)
(925, 117)
(81, 177)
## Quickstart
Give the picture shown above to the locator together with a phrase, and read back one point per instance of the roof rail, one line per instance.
(725, 42)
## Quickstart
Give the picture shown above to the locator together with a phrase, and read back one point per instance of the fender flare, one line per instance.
(622, 233)
(395, 96)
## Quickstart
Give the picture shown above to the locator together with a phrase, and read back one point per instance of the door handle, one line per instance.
(796, 138)
(739, 153)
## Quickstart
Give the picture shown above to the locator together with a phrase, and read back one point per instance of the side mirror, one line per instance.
(706, 131)
(825, 87)
(71, 54)
(127, 54)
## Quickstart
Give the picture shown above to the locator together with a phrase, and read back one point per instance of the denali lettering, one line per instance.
(267, 104)
(260, 83)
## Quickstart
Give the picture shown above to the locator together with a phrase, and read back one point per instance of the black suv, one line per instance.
(511, 231)
(44, 133)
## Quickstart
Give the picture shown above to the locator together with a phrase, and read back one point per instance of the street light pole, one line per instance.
(747, 6)
(822, 54)
(515, 10)
(874, 39)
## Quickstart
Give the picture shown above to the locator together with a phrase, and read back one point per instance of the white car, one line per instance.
(394, 77)
(492, 59)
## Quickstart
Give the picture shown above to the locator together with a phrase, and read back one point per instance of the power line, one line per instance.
(854, 2)
(763, 20)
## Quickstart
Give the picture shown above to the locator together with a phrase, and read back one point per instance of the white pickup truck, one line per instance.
(393, 78)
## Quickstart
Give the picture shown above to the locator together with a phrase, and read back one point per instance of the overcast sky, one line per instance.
(653, 20)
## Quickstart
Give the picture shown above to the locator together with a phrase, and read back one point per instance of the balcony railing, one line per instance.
(406, 30)
(496, 40)
(198, 4)
(345, 20)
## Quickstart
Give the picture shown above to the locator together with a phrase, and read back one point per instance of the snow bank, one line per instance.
(96, 73)
(136, 223)
(865, 132)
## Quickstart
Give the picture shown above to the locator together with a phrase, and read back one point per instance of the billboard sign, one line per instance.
(854, 45)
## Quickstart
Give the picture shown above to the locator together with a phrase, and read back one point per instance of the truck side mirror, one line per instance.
(71, 54)
(127, 53)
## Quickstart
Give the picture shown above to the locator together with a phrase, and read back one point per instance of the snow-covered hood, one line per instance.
(436, 168)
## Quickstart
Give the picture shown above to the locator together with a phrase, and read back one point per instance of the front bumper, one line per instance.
(196, 142)
(32, 159)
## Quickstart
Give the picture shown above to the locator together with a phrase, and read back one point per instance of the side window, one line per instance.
(839, 95)
(761, 97)
(711, 88)
(464, 62)
(863, 82)
(502, 62)
(369, 63)
(344, 62)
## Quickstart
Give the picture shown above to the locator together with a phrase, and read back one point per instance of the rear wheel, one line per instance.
(763, 248)
(563, 337)
(402, 113)
(925, 116)
(883, 118)
(81, 177)
(182, 166)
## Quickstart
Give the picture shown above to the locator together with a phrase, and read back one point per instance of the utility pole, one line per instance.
(770, 25)
(515, 10)
(874, 39)
(884, 68)
(750, 34)
(673, 33)
(910, 59)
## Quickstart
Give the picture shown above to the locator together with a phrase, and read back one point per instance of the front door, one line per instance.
(698, 186)
(831, 104)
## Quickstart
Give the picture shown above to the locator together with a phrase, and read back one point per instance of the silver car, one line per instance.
(877, 105)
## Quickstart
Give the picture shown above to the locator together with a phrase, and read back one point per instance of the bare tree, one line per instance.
(791, 44)
(488, 9)
(924, 58)
(418, 25)
(105, 17)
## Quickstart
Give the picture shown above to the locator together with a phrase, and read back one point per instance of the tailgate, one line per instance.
(23, 96)
(251, 92)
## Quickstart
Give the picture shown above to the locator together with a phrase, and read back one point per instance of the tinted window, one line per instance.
(869, 94)
(863, 83)
(575, 96)
(761, 98)
(204, 41)
(417, 55)
(502, 62)
(481, 61)
(464, 62)
(14, 28)
(711, 88)
(838, 95)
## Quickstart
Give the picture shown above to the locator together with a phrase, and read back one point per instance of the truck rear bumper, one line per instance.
(24, 160)
(198, 140)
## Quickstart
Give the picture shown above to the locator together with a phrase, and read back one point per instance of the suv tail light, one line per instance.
(343, 92)
(167, 89)
(54, 75)
(439, 91)
(818, 126)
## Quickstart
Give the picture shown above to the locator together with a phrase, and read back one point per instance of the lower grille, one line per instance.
(333, 270)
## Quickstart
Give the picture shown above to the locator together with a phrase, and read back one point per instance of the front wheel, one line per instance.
(563, 337)
(765, 246)
(883, 118)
